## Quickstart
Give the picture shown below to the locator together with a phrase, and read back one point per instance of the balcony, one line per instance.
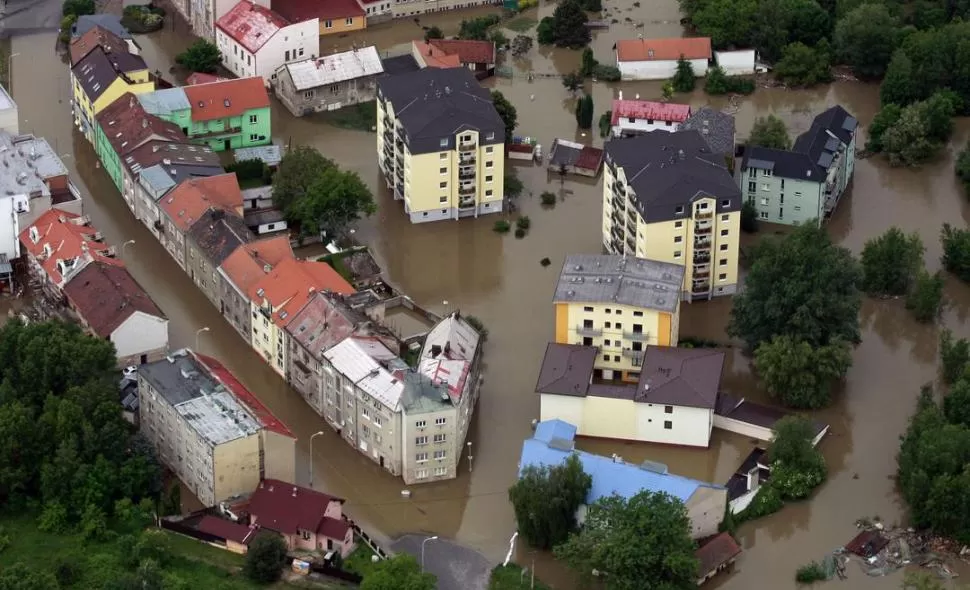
(617, 232)
(702, 244)
(217, 132)
(465, 203)
(467, 147)
(399, 158)
(637, 337)
(631, 226)
(702, 273)
(466, 190)
(619, 189)
(631, 244)
(467, 157)
(388, 133)
(616, 246)
(399, 145)
(635, 356)
(701, 287)
(618, 204)
(399, 172)
(703, 214)
(703, 228)
(464, 174)
(588, 331)
(701, 259)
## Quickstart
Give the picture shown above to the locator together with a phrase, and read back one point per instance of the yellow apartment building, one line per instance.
(441, 144)
(99, 78)
(667, 197)
(619, 304)
(337, 17)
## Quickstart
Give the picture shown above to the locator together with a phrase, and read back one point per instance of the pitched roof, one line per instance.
(226, 529)
(663, 49)
(297, 11)
(716, 127)
(647, 109)
(110, 22)
(614, 278)
(286, 508)
(364, 362)
(671, 170)
(566, 369)
(680, 376)
(262, 414)
(165, 101)
(218, 235)
(290, 284)
(189, 201)
(202, 78)
(106, 295)
(251, 25)
(469, 51)
(97, 70)
(334, 68)
(96, 37)
(229, 98)
(68, 239)
(248, 264)
(433, 56)
(322, 323)
(716, 552)
(127, 125)
(170, 154)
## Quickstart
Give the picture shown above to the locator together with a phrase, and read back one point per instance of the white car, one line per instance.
(131, 372)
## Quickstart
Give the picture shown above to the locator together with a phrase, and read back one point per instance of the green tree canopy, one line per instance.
(797, 373)
(684, 79)
(477, 28)
(891, 261)
(569, 25)
(401, 572)
(643, 543)
(545, 31)
(545, 501)
(899, 85)
(769, 132)
(588, 63)
(956, 251)
(925, 299)
(962, 168)
(884, 119)
(202, 56)
(797, 467)
(433, 32)
(866, 38)
(265, 558)
(802, 65)
(506, 110)
(584, 112)
(803, 286)
(954, 356)
(78, 8)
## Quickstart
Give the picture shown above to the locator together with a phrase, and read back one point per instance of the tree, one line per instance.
(335, 199)
(801, 375)
(866, 38)
(513, 186)
(521, 45)
(884, 119)
(803, 286)
(641, 543)
(588, 63)
(298, 169)
(569, 25)
(78, 8)
(572, 81)
(545, 500)
(202, 56)
(913, 139)
(717, 82)
(956, 404)
(749, 217)
(265, 558)
(20, 577)
(956, 251)
(899, 85)
(925, 299)
(584, 112)
(962, 168)
(477, 28)
(499, 39)
(890, 262)
(545, 31)
(802, 65)
(797, 467)
(769, 132)
(433, 32)
(398, 573)
(726, 22)
(684, 79)
(605, 73)
(954, 356)
(506, 111)
(606, 124)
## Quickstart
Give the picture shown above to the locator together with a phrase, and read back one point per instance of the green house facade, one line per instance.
(806, 183)
(228, 114)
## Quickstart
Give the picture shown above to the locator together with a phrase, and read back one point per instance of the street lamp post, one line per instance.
(311, 456)
(198, 334)
(125, 245)
(434, 538)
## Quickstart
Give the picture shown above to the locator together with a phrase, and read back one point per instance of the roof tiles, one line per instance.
(680, 376)
(646, 109)
(251, 25)
(263, 415)
(469, 51)
(251, 262)
(229, 98)
(127, 125)
(297, 11)
(290, 284)
(286, 508)
(189, 201)
(96, 37)
(62, 236)
(663, 49)
(105, 294)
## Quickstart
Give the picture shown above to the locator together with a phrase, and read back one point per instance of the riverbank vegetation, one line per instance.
(542, 523)
(769, 132)
(892, 266)
(566, 27)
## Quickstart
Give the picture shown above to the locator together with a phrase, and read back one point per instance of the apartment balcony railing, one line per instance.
(466, 190)
(703, 215)
(399, 145)
(619, 189)
(636, 356)
(701, 259)
(218, 132)
(631, 226)
(703, 229)
(466, 204)
(702, 244)
(399, 172)
(617, 231)
(700, 286)
(388, 134)
(467, 147)
(702, 274)
(637, 336)
(588, 331)
(466, 175)
(618, 203)
(631, 244)
(616, 245)
(467, 157)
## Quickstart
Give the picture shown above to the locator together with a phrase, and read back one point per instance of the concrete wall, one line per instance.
(706, 511)
(235, 467)
(657, 70)
(278, 456)
(736, 63)
(569, 408)
(787, 201)
(424, 459)
(141, 334)
(687, 426)
(295, 42)
(743, 428)
(200, 270)
(323, 98)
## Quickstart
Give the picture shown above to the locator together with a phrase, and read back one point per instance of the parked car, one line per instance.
(130, 372)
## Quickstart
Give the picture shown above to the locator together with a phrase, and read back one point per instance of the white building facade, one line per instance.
(656, 59)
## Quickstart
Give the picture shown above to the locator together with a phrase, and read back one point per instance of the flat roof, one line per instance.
(26, 162)
(624, 280)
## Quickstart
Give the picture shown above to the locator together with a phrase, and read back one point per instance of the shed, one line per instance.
(656, 59)
(736, 63)
(575, 158)
(715, 554)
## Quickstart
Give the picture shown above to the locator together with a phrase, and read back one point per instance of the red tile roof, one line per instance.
(229, 98)
(127, 125)
(297, 11)
(66, 237)
(96, 37)
(248, 263)
(646, 109)
(589, 158)
(201, 78)
(266, 418)
(716, 552)
(251, 25)
(434, 57)
(286, 508)
(226, 529)
(291, 283)
(468, 51)
(189, 201)
(663, 49)
(106, 295)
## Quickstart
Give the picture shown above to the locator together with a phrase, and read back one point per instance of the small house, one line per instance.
(634, 117)
(329, 82)
(575, 158)
(656, 59)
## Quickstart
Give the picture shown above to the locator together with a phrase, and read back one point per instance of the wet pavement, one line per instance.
(499, 279)
(456, 567)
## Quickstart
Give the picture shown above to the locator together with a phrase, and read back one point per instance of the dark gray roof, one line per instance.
(812, 152)
(671, 170)
(680, 376)
(178, 378)
(434, 104)
(566, 369)
(218, 234)
(399, 64)
(257, 217)
(612, 278)
(97, 70)
(716, 127)
(109, 22)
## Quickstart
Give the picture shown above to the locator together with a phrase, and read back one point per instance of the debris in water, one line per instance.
(545, 262)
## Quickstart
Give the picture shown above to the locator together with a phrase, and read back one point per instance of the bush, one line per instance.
(684, 79)
(717, 83)
(248, 169)
(519, 232)
(749, 217)
(766, 501)
(502, 226)
(584, 112)
(926, 297)
(548, 198)
(810, 573)
(523, 222)
(606, 73)
(954, 356)
(956, 251)
(78, 7)
(265, 558)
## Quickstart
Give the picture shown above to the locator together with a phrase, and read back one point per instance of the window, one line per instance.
(349, 20)
(443, 156)
(724, 217)
(722, 262)
(440, 421)
(443, 142)
(421, 440)
(764, 201)
(420, 474)
(724, 232)
(678, 224)
(439, 438)
(607, 324)
(798, 208)
(668, 409)
(678, 239)
(335, 89)
(328, 24)
(723, 247)
(668, 425)
(378, 421)
(619, 326)
(619, 312)
(638, 314)
(763, 215)
(443, 200)
(488, 178)
(726, 203)
(606, 343)
(253, 137)
(765, 186)
(752, 186)
(588, 308)
(616, 358)
(722, 277)
(766, 173)
(439, 471)
(488, 193)
(488, 150)
(308, 94)
(679, 210)
(798, 194)
(300, 54)
(439, 455)
(608, 311)
(677, 254)
(287, 58)
(443, 184)
(421, 457)
(420, 424)
(490, 136)
(252, 119)
(488, 164)
(443, 170)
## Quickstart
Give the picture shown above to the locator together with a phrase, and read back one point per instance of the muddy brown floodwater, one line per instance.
(499, 279)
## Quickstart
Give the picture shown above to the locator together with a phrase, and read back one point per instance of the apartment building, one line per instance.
(803, 184)
(407, 8)
(619, 304)
(210, 240)
(440, 144)
(206, 429)
(189, 202)
(99, 78)
(329, 82)
(58, 244)
(34, 179)
(240, 271)
(668, 197)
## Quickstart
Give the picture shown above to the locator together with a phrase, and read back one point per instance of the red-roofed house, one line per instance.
(240, 271)
(634, 117)
(202, 78)
(277, 443)
(477, 56)
(59, 244)
(335, 16)
(656, 59)
(229, 114)
(188, 202)
(236, 536)
(307, 519)
(255, 41)
(279, 295)
(112, 305)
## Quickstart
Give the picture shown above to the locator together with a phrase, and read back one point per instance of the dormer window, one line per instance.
(260, 292)
(34, 234)
(48, 250)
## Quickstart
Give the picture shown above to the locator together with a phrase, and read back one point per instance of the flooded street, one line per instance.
(499, 279)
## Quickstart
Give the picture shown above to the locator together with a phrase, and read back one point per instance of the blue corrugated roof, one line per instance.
(609, 476)
(165, 101)
(157, 179)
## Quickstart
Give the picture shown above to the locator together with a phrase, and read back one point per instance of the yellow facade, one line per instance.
(268, 340)
(621, 332)
(347, 24)
(704, 241)
(136, 82)
(235, 467)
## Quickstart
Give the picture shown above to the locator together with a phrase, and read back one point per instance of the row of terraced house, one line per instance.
(303, 318)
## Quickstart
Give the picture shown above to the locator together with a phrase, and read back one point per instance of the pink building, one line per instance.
(307, 519)
(634, 117)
